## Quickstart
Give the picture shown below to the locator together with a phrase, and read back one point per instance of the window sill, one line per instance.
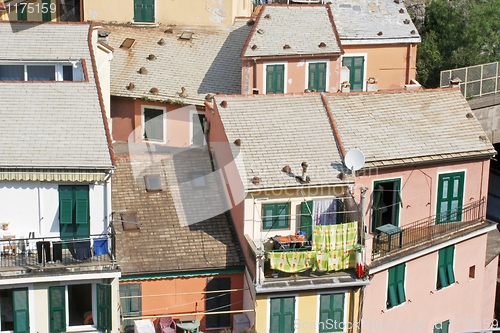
(395, 307)
(81, 328)
(146, 24)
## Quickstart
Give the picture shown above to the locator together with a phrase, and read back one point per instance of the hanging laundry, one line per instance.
(324, 212)
(101, 246)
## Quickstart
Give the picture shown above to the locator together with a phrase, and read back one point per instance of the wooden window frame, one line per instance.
(276, 214)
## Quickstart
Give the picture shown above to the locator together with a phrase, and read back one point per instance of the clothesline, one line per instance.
(193, 293)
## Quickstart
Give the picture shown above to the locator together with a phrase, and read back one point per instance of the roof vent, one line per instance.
(151, 57)
(380, 33)
(406, 21)
(267, 16)
(397, 1)
(154, 90)
(183, 93)
(153, 183)
(412, 32)
(322, 44)
(254, 47)
(255, 180)
(402, 11)
(223, 104)
(162, 42)
(287, 169)
(237, 142)
(304, 179)
(103, 36)
(260, 31)
(187, 35)
(469, 115)
(128, 43)
(250, 22)
(209, 97)
(169, 31)
(143, 70)
(131, 86)
(286, 47)
(482, 138)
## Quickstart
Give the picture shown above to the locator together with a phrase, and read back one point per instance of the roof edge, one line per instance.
(250, 35)
(330, 15)
(333, 124)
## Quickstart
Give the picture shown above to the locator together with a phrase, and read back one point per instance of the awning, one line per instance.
(53, 175)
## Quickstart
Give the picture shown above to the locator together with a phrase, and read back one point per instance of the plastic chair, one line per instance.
(167, 325)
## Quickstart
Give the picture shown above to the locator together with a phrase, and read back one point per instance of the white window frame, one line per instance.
(437, 187)
(268, 319)
(318, 307)
(79, 328)
(191, 138)
(400, 191)
(285, 75)
(31, 304)
(365, 62)
(58, 68)
(313, 61)
(143, 123)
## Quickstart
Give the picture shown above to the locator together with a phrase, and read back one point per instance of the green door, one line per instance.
(46, 15)
(74, 220)
(356, 71)
(104, 307)
(306, 218)
(331, 313)
(450, 197)
(275, 79)
(57, 305)
(317, 76)
(21, 310)
(198, 127)
(282, 315)
(144, 11)
(22, 12)
(131, 307)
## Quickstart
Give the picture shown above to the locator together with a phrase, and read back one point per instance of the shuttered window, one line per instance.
(275, 216)
(198, 129)
(275, 79)
(22, 12)
(144, 11)
(104, 307)
(306, 218)
(445, 267)
(396, 286)
(153, 124)
(356, 71)
(331, 313)
(450, 197)
(282, 315)
(57, 302)
(131, 307)
(218, 302)
(74, 210)
(46, 16)
(317, 76)
(20, 310)
(442, 327)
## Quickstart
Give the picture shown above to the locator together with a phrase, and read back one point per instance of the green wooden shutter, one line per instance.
(280, 79)
(275, 314)
(281, 210)
(104, 307)
(57, 300)
(46, 17)
(331, 307)
(449, 264)
(356, 71)
(400, 281)
(376, 208)
(149, 11)
(270, 79)
(82, 204)
(288, 315)
(450, 197)
(446, 275)
(22, 12)
(275, 77)
(138, 11)
(66, 204)
(324, 312)
(268, 210)
(306, 218)
(442, 327)
(317, 76)
(392, 287)
(21, 311)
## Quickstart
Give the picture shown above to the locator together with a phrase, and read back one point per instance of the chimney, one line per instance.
(103, 36)
(455, 82)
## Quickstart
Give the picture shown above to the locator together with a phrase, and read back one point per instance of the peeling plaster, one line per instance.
(93, 14)
(246, 75)
(301, 63)
(289, 81)
(217, 13)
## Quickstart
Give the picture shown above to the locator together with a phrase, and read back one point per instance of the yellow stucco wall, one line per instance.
(192, 12)
(307, 305)
(34, 12)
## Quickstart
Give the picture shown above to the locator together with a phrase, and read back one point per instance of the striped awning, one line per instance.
(53, 175)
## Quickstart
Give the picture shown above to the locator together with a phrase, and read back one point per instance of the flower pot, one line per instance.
(5, 227)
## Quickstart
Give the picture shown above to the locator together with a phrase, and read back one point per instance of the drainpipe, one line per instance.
(254, 75)
(408, 65)
(40, 218)
(363, 213)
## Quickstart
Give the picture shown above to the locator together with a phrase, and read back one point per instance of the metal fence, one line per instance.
(54, 251)
(429, 229)
(476, 80)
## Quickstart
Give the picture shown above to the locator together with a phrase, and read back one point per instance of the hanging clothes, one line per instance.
(324, 212)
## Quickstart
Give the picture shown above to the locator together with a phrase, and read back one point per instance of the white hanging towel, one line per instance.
(322, 212)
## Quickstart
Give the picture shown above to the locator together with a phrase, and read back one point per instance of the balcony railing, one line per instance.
(33, 253)
(429, 229)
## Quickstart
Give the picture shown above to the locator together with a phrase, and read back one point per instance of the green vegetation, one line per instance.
(457, 34)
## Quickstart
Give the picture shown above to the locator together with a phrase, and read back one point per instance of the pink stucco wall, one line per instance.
(489, 288)
(296, 73)
(462, 303)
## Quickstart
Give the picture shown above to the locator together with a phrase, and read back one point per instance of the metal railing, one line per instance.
(56, 251)
(429, 229)
(476, 80)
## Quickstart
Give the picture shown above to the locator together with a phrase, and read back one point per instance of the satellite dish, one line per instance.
(354, 159)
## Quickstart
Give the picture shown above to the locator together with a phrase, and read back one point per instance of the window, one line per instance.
(445, 267)
(46, 16)
(74, 210)
(218, 302)
(450, 197)
(396, 286)
(197, 129)
(131, 307)
(275, 79)
(356, 67)
(37, 71)
(72, 306)
(331, 313)
(144, 11)
(472, 272)
(306, 209)
(275, 216)
(282, 315)
(317, 76)
(14, 309)
(153, 183)
(198, 180)
(386, 203)
(153, 120)
(22, 13)
(442, 327)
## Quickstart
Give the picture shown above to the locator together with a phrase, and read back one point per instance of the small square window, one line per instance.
(472, 272)
(153, 183)
(187, 35)
(198, 180)
(68, 73)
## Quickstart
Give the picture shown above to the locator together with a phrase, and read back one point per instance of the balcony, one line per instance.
(430, 230)
(21, 256)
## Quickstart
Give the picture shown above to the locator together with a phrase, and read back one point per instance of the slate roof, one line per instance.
(50, 124)
(360, 21)
(276, 131)
(165, 242)
(404, 127)
(208, 63)
(302, 27)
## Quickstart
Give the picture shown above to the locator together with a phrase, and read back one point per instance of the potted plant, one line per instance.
(5, 225)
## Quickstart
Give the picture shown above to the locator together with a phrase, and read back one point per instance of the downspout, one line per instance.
(81, 11)
(40, 218)
(254, 76)
(408, 64)
(363, 213)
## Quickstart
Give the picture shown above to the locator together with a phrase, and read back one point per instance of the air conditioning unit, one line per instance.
(240, 321)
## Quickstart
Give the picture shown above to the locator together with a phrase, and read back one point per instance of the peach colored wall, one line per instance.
(462, 303)
(419, 187)
(296, 73)
(489, 288)
(388, 63)
(126, 116)
(180, 304)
